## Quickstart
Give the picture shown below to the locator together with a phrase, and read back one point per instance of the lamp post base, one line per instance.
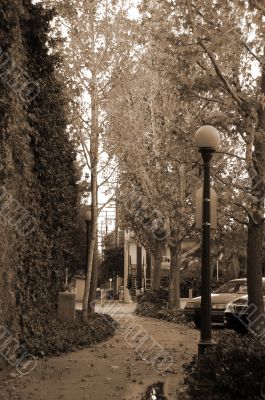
(204, 344)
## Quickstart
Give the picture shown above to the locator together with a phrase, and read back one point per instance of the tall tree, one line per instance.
(97, 45)
(215, 49)
(156, 170)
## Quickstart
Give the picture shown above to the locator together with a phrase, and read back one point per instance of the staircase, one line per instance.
(134, 283)
(164, 282)
(148, 285)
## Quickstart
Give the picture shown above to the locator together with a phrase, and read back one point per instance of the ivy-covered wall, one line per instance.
(38, 189)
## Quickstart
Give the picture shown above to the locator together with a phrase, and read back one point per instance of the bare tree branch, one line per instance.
(106, 203)
(187, 232)
(190, 252)
(85, 150)
(105, 165)
(258, 58)
(239, 221)
(108, 177)
(206, 98)
(231, 155)
(240, 205)
(219, 73)
(244, 189)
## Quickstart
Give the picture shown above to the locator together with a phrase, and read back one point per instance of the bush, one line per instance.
(153, 304)
(195, 285)
(158, 297)
(187, 284)
(38, 176)
(62, 337)
(232, 369)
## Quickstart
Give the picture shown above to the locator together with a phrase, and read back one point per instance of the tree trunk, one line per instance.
(174, 279)
(157, 266)
(254, 272)
(91, 247)
(94, 281)
(256, 225)
(94, 150)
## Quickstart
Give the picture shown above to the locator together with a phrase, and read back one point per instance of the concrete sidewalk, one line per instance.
(127, 308)
(115, 369)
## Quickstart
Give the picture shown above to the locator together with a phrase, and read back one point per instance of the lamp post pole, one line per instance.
(206, 333)
(207, 139)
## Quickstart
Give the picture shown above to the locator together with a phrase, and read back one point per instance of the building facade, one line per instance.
(139, 267)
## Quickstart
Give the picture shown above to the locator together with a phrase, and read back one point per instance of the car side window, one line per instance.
(230, 288)
(242, 289)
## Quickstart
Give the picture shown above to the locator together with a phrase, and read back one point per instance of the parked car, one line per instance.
(237, 312)
(220, 298)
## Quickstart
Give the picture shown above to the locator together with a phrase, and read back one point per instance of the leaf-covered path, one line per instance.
(110, 370)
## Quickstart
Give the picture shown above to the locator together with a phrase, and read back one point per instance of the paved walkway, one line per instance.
(127, 307)
(143, 352)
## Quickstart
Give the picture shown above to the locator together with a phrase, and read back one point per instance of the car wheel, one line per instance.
(241, 328)
(197, 322)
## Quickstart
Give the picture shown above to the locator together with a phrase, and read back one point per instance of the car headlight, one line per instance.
(241, 308)
(219, 306)
(230, 308)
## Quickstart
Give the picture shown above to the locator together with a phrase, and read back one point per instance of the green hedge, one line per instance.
(153, 304)
(61, 337)
(233, 369)
(37, 170)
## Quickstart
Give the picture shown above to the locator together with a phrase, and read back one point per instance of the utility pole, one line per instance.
(117, 225)
(106, 222)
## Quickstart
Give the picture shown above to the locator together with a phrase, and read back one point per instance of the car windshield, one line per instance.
(235, 287)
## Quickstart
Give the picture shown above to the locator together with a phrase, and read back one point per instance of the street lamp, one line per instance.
(207, 140)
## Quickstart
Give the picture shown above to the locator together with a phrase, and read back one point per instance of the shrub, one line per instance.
(61, 337)
(38, 180)
(232, 369)
(195, 285)
(158, 297)
(153, 304)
